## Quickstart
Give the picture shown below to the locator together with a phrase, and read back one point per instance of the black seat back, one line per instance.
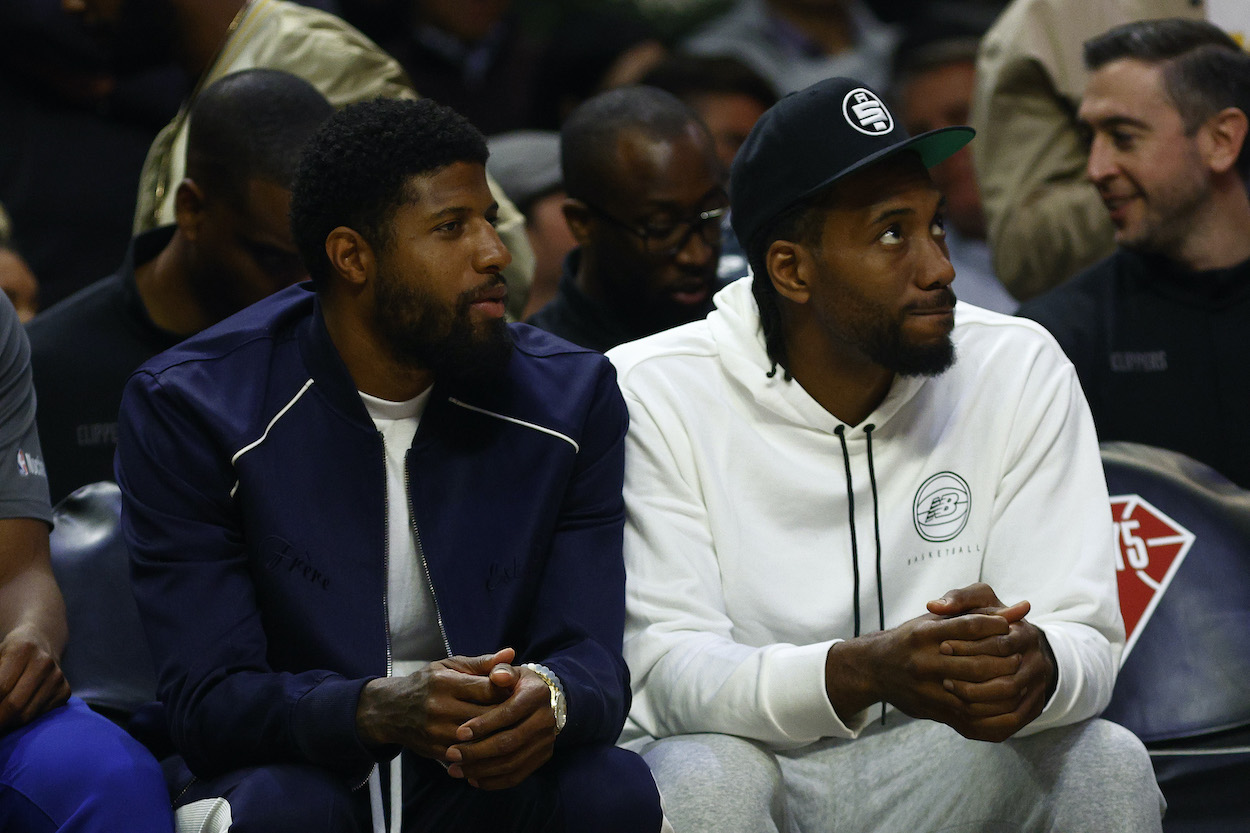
(1185, 528)
(106, 660)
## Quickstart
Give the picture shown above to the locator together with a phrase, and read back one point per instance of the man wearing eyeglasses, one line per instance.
(646, 204)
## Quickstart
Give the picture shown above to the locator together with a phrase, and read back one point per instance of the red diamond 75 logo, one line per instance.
(1150, 549)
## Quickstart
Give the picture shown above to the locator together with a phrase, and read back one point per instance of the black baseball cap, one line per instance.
(814, 137)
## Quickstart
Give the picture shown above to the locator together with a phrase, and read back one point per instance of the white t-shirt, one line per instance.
(416, 639)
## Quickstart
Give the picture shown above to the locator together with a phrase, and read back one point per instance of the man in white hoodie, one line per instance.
(810, 472)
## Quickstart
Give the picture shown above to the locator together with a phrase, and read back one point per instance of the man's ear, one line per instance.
(351, 256)
(577, 215)
(1225, 135)
(789, 267)
(189, 207)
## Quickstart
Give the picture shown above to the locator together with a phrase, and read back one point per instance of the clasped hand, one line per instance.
(490, 721)
(971, 662)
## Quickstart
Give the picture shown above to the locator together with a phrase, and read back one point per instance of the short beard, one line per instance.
(920, 360)
(884, 344)
(423, 334)
(889, 350)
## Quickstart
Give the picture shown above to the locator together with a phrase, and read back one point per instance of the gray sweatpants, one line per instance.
(914, 776)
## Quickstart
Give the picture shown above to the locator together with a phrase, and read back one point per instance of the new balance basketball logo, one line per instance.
(941, 507)
(866, 113)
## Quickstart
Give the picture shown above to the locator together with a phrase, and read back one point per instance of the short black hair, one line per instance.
(1203, 68)
(1206, 80)
(251, 125)
(589, 136)
(1153, 41)
(356, 170)
(691, 76)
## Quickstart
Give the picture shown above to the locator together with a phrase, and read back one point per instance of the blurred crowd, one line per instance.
(96, 95)
(84, 89)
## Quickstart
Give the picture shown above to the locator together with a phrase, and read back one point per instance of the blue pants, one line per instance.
(599, 788)
(73, 770)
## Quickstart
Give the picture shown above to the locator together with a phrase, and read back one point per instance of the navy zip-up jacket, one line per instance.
(254, 504)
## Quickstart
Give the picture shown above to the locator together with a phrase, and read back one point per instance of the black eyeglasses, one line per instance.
(668, 238)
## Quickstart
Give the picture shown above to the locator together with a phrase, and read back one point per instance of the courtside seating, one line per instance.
(1184, 686)
(106, 660)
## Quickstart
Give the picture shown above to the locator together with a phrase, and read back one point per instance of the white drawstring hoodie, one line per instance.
(751, 526)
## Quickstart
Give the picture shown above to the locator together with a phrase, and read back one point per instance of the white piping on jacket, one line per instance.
(516, 421)
(245, 449)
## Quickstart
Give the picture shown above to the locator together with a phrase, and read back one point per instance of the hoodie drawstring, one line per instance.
(376, 814)
(850, 498)
(377, 810)
(397, 793)
(876, 529)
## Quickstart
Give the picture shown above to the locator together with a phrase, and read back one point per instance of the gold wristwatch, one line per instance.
(558, 705)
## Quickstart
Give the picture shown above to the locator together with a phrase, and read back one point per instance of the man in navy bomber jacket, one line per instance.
(370, 516)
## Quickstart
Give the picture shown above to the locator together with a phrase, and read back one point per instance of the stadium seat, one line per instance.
(106, 660)
(1184, 685)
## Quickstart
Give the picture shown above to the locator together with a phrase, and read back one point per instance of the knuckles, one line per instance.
(912, 667)
(508, 743)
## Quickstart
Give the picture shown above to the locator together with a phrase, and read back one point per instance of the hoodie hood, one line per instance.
(735, 327)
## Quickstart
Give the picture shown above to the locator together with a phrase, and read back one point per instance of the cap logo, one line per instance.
(866, 113)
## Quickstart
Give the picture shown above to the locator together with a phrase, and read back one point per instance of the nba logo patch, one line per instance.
(1150, 547)
(867, 113)
(29, 465)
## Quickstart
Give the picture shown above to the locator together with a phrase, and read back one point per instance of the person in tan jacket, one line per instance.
(214, 38)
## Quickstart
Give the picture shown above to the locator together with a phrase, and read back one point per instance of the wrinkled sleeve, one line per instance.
(226, 707)
(23, 480)
(689, 673)
(579, 618)
(1051, 541)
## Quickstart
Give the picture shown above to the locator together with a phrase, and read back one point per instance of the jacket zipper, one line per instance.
(386, 573)
(386, 569)
(416, 537)
(386, 554)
